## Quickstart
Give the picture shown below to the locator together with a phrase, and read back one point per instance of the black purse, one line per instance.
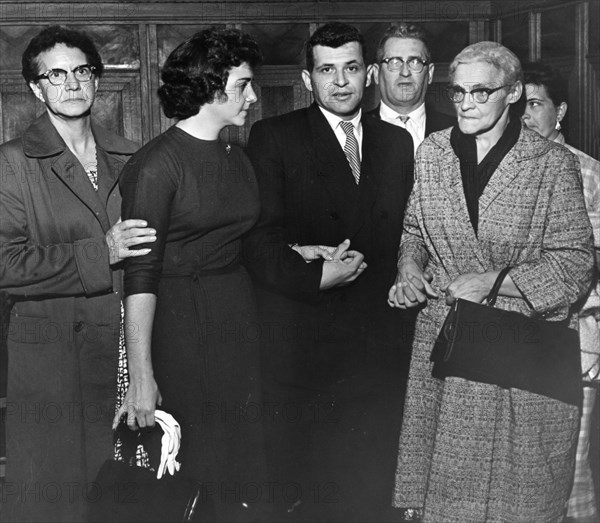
(481, 343)
(131, 494)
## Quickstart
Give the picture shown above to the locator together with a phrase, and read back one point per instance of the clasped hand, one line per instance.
(341, 266)
(412, 287)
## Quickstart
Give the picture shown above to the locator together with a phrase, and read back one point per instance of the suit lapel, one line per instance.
(373, 164)
(332, 168)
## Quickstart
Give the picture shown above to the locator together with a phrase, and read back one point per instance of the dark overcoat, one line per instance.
(343, 348)
(64, 326)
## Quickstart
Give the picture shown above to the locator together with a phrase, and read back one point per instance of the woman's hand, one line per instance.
(412, 287)
(139, 404)
(123, 235)
(472, 286)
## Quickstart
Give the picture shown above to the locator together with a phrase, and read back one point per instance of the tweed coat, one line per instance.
(64, 326)
(472, 452)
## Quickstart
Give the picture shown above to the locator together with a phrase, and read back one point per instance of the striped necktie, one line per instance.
(351, 149)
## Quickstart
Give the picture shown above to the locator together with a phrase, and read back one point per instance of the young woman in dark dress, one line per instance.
(191, 330)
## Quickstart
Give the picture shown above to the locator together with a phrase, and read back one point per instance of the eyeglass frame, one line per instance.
(403, 62)
(49, 71)
(487, 91)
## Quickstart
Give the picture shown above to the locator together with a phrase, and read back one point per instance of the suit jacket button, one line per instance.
(78, 327)
(384, 215)
(334, 216)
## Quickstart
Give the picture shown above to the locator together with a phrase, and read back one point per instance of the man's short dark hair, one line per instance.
(52, 36)
(403, 30)
(197, 70)
(333, 34)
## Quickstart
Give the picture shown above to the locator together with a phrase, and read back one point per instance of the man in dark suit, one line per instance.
(403, 71)
(335, 355)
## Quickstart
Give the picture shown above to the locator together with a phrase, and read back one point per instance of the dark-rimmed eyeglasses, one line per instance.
(456, 93)
(395, 63)
(83, 73)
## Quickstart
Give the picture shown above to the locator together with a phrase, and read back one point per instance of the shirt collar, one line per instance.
(387, 112)
(334, 120)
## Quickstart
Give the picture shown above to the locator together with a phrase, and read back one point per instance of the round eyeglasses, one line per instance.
(456, 93)
(395, 63)
(82, 73)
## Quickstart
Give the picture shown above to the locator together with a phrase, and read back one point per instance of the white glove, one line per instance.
(170, 443)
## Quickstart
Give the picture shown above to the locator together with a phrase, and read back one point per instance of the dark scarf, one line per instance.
(475, 177)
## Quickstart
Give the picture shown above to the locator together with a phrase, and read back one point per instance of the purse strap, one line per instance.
(491, 297)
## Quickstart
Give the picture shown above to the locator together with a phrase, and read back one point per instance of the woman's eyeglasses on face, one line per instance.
(82, 73)
(456, 93)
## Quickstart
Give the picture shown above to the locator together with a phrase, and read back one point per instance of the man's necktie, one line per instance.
(351, 149)
(403, 119)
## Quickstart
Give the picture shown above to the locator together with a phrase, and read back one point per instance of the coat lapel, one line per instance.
(451, 181)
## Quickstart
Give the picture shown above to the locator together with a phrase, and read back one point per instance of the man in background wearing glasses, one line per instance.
(403, 71)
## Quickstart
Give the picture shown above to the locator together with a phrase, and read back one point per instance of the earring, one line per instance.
(557, 126)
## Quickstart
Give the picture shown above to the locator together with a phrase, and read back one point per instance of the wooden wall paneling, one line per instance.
(477, 31)
(18, 106)
(118, 104)
(535, 36)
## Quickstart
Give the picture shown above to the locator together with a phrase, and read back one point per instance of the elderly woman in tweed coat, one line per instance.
(488, 194)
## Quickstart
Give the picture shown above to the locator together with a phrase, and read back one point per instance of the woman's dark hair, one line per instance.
(333, 34)
(52, 36)
(540, 73)
(197, 70)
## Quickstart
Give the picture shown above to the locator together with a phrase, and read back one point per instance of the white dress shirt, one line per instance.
(334, 122)
(415, 124)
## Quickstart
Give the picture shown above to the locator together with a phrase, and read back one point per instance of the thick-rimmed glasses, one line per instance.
(83, 73)
(395, 64)
(456, 93)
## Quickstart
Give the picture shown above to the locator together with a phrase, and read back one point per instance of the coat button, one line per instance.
(78, 327)
(334, 216)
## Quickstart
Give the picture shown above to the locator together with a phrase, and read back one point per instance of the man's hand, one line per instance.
(412, 287)
(343, 268)
(314, 252)
(123, 235)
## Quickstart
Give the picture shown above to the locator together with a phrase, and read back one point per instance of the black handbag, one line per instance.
(481, 343)
(127, 493)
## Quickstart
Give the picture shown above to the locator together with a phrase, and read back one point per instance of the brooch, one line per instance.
(228, 148)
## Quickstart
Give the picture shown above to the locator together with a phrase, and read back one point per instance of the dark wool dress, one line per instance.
(201, 197)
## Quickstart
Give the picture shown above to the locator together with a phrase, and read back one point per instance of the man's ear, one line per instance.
(370, 73)
(306, 79)
(375, 73)
(430, 72)
(36, 90)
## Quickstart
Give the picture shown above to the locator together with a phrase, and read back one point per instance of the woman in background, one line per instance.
(546, 106)
(61, 244)
(194, 346)
(488, 194)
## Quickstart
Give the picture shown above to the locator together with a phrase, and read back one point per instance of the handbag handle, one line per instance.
(491, 297)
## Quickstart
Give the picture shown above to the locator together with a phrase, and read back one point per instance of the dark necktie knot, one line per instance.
(403, 118)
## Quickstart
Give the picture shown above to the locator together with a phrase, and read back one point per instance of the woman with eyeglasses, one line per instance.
(61, 248)
(488, 194)
(546, 106)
